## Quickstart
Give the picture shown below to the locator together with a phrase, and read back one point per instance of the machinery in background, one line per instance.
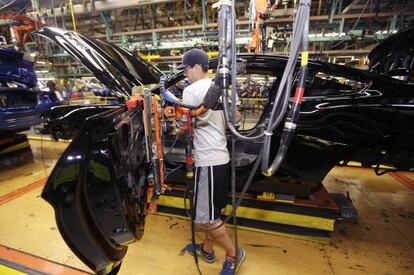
(22, 26)
(260, 10)
(14, 13)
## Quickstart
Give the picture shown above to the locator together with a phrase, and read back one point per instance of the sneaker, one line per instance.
(228, 266)
(207, 257)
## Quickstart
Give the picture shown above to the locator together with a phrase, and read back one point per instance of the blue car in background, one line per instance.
(21, 104)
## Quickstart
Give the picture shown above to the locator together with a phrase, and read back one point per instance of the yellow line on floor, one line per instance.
(358, 164)
(21, 191)
(19, 146)
(36, 263)
(47, 139)
(323, 240)
(263, 215)
(5, 270)
(406, 181)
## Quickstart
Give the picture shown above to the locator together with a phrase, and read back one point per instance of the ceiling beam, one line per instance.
(104, 5)
(360, 52)
(246, 22)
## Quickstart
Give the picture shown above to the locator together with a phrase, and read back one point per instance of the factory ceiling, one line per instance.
(165, 28)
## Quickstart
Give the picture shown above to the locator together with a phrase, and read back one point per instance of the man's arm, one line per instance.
(238, 116)
(189, 98)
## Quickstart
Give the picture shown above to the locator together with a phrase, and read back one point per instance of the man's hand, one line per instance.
(237, 117)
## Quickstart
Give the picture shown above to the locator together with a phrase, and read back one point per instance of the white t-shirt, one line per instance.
(210, 142)
(59, 95)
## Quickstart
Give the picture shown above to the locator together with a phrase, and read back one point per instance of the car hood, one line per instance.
(394, 55)
(398, 42)
(14, 68)
(115, 67)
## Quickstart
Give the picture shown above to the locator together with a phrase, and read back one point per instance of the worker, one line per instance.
(212, 168)
(67, 89)
(52, 89)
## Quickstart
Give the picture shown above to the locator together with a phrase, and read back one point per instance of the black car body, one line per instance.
(97, 186)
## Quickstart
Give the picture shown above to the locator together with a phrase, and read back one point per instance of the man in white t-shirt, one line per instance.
(212, 174)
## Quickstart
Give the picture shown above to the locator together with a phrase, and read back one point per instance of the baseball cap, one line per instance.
(193, 57)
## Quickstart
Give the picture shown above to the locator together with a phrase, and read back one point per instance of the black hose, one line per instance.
(300, 38)
(170, 97)
(228, 56)
(193, 202)
(233, 139)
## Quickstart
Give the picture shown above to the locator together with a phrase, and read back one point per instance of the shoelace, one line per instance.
(229, 264)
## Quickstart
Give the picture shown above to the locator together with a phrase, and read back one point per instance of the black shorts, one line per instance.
(210, 192)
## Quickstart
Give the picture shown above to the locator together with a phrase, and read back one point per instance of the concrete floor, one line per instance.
(381, 242)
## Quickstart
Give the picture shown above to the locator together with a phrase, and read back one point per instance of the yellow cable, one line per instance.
(268, 173)
(8, 4)
(304, 59)
(73, 15)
